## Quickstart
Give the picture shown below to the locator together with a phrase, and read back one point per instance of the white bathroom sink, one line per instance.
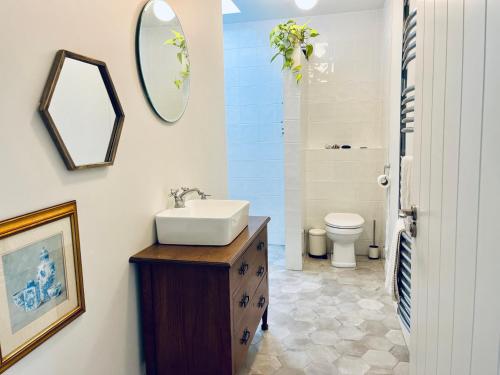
(208, 222)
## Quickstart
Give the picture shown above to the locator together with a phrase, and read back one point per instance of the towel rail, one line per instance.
(411, 37)
(408, 100)
(408, 49)
(405, 257)
(406, 302)
(406, 266)
(407, 90)
(407, 120)
(409, 58)
(407, 237)
(410, 17)
(408, 30)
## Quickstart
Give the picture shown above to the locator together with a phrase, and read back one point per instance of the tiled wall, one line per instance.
(345, 106)
(295, 125)
(345, 181)
(346, 80)
(254, 115)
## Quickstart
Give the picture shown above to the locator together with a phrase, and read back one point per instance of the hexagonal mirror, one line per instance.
(81, 110)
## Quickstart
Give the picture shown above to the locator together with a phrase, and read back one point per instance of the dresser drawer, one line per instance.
(251, 266)
(243, 299)
(244, 331)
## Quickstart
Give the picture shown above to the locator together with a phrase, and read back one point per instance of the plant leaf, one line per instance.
(299, 77)
(274, 57)
(309, 50)
(297, 68)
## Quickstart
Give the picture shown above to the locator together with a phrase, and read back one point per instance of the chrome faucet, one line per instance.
(180, 194)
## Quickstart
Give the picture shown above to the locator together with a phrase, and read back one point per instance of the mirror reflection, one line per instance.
(81, 111)
(85, 125)
(163, 60)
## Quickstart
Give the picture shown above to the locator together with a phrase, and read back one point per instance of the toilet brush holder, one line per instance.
(373, 250)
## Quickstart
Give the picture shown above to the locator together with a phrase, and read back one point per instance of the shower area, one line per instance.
(254, 123)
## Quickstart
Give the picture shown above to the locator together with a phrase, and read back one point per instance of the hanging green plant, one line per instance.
(286, 37)
(180, 42)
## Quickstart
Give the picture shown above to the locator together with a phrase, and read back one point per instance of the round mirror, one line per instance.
(163, 60)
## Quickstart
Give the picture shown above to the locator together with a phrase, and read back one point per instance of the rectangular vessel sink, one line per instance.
(202, 222)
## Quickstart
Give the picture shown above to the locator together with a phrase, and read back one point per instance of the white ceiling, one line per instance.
(256, 10)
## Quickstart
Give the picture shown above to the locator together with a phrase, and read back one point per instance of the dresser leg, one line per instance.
(264, 326)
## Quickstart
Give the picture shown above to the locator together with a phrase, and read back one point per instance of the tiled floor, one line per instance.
(328, 321)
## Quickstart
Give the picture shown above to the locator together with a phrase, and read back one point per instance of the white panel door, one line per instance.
(456, 309)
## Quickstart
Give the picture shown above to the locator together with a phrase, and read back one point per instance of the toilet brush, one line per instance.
(373, 250)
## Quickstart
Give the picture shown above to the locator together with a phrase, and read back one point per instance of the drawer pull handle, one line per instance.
(244, 300)
(245, 337)
(262, 302)
(261, 246)
(243, 268)
(261, 270)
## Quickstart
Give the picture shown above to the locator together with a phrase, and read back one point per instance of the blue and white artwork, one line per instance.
(35, 280)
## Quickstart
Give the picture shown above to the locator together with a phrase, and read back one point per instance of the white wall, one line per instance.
(116, 205)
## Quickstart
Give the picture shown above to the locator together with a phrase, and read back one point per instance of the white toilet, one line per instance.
(343, 229)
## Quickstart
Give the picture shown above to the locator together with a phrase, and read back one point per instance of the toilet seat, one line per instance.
(344, 221)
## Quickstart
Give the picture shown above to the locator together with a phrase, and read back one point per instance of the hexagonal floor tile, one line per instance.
(351, 348)
(350, 333)
(322, 353)
(375, 328)
(351, 365)
(392, 322)
(296, 341)
(378, 343)
(402, 368)
(289, 371)
(294, 359)
(372, 314)
(370, 304)
(396, 337)
(401, 353)
(321, 368)
(266, 364)
(378, 358)
(324, 337)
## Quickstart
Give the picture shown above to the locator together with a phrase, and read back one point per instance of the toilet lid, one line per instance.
(344, 220)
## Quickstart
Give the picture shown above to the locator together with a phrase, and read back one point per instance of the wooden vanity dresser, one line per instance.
(201, 305)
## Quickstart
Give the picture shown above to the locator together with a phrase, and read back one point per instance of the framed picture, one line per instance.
(41, 284)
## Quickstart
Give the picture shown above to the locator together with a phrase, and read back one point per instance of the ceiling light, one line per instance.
(163, 11)
(229, 7)
(306, 4)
